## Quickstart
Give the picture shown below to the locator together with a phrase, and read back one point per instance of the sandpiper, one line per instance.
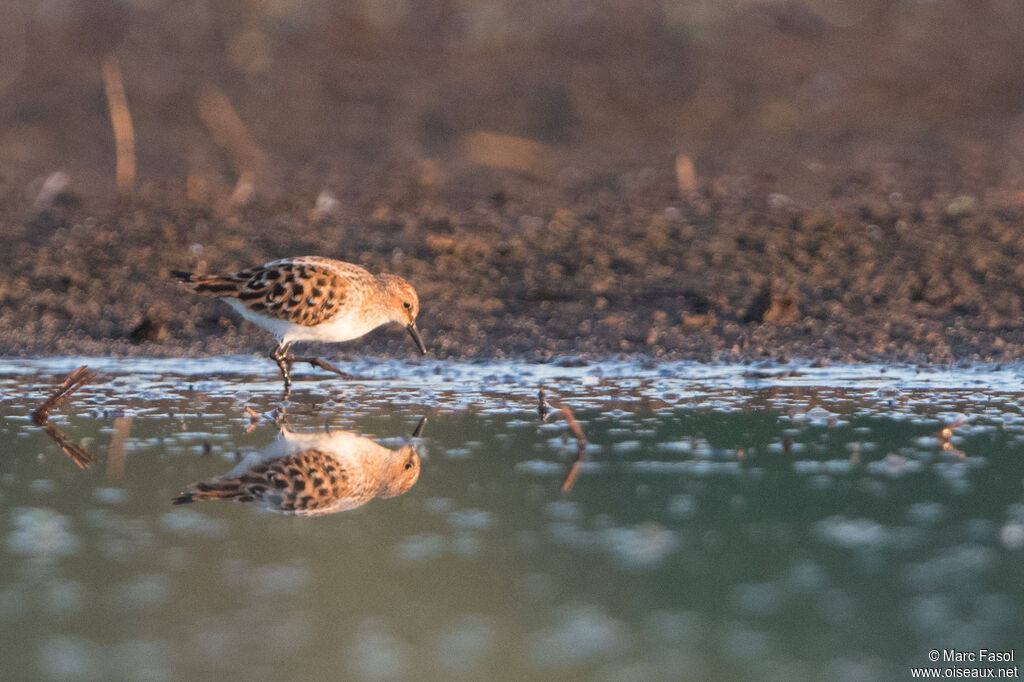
(311, 298)
(312, 474)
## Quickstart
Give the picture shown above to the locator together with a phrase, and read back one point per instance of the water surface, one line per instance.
(774, 522)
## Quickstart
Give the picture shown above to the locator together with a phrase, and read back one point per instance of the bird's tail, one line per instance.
(214, 285)
(222, 489)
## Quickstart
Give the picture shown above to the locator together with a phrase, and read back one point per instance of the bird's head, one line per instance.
(403, 305)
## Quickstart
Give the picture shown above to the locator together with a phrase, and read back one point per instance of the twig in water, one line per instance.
(581, 447)
(41, 416)
(574, 425)
(74, 381)
(546, 410)
(418, 431)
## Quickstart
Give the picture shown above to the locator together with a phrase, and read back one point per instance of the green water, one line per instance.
(725, 527)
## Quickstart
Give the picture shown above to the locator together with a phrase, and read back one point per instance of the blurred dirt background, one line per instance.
(705, 179)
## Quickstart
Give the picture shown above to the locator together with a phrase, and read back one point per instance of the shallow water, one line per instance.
(774, 522)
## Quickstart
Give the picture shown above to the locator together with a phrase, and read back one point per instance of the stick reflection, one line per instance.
(546, 410)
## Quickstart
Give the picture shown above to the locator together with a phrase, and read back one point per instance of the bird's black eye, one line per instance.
(407, 305)
(408, 465)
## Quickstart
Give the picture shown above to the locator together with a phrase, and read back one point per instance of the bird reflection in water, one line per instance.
(313, 474)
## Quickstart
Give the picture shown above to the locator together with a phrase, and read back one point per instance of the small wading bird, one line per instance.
(313, 474)
(312, 299)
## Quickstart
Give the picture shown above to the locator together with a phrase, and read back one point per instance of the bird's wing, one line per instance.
(304, 293)
(306, 482)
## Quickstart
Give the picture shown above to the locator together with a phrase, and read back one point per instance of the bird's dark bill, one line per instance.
(415, 333)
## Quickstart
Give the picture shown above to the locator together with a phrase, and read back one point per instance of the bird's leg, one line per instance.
(284, 361)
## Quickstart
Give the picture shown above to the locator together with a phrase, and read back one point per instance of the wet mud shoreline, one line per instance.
(500, 274)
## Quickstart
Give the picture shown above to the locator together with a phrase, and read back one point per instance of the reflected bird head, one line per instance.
(405, 471)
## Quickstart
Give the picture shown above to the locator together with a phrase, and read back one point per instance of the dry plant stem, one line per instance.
(41, 416)
(74, 381)
(686, 175)
(544, 411)
(120, 118)
(574, 425)
(418, 431)
(521, 154)
(229, 132)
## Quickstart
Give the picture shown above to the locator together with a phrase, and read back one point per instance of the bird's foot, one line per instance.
(317, 362)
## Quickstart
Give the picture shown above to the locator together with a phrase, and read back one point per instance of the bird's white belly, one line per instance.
(343, 327)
